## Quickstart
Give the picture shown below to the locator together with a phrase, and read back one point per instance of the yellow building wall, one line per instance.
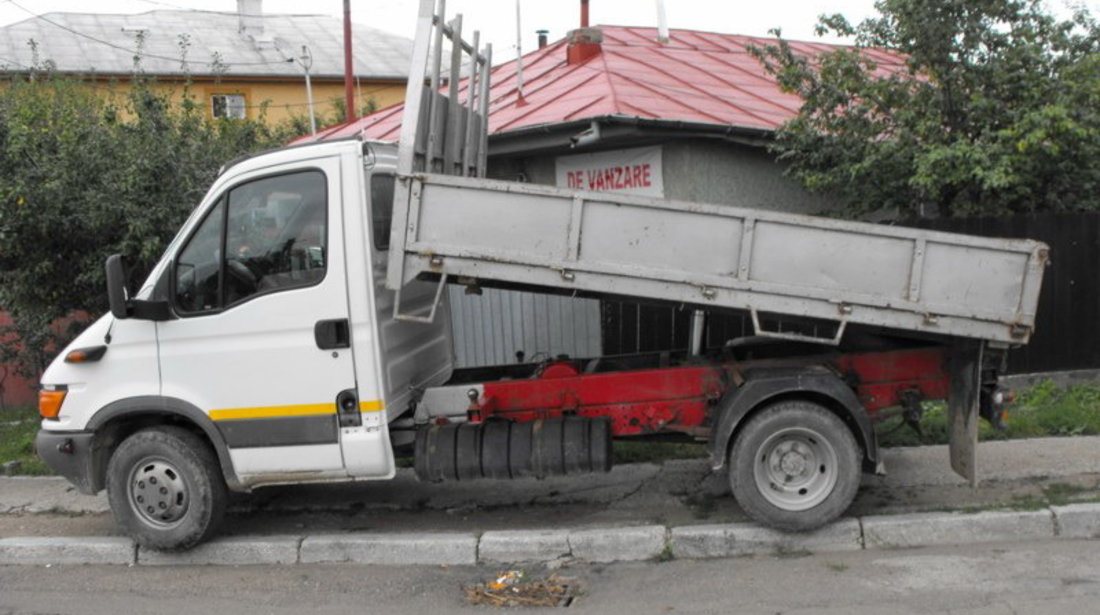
(274, 101)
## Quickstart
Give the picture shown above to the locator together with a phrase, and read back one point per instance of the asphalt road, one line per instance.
(1051, 576)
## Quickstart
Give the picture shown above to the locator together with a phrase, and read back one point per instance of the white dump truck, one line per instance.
(296, 330)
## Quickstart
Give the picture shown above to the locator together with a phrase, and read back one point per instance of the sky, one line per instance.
(497, 18)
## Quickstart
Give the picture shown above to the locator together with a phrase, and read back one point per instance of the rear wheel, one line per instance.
(165, 488)
(795, 466)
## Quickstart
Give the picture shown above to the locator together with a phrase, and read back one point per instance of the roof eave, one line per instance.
(560, 137)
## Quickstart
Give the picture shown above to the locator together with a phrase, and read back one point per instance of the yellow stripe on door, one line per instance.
(374, 405)
(276, 412)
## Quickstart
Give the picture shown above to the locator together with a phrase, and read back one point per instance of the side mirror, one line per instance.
(116, 287)
(123, 308)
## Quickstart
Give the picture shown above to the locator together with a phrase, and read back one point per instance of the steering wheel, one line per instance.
(242, 274)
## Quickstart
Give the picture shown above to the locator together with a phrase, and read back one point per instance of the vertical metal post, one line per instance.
(435, 116)
(662, 22)
(349, 80)
(964, 362)
(406, 154)
(469, 149)
(698, 324)
(307, 62)
(483, 148)
(519, 55)
(451, 153)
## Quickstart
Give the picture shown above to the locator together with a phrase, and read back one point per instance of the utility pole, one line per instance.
(306, 62)
(349, 81)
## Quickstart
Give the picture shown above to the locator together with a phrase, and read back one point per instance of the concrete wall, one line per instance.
(701, 170)
(732, 174)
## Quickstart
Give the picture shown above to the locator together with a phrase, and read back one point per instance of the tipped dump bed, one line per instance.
(765, 262)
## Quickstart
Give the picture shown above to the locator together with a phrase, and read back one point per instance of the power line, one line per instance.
(136, 52)
(213, 12)
(172, 6)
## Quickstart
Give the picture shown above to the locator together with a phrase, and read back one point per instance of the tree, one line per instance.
(82, 178)
(994, 108)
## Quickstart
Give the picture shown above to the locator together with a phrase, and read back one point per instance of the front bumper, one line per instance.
(70, 454)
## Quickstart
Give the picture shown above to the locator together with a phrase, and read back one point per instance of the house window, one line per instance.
(228, 105)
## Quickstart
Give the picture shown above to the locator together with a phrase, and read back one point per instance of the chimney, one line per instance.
(584, 13)
(542, 37)
(250, 13)
(662, 22)
(583, 44)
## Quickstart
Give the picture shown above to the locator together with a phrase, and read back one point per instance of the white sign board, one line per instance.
(628, 171)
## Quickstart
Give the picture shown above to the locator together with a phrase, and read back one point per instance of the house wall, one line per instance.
(733, 174)
(275, 100)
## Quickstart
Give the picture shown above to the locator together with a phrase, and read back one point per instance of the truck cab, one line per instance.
(262, 348)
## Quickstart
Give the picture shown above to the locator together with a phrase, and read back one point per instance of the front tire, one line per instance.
(166, 489)
(795, 466)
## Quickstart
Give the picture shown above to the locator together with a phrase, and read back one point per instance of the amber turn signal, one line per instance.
(49, 403)
(85, 355)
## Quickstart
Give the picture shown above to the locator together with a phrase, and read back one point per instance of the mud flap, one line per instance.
(964, 365)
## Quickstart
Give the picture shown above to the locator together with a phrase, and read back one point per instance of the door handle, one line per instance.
(332, 334)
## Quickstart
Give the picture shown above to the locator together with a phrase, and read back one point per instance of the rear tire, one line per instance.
(795, 466)
(166, 488)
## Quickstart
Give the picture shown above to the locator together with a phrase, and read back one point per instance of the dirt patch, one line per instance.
(514, 588)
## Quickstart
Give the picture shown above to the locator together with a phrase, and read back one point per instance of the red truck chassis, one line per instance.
(683, 399)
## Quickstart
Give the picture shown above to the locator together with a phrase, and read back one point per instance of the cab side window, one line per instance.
(381, 208)
(198, 267)
(264, 236)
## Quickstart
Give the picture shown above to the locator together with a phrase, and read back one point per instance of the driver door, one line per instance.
(261, 342)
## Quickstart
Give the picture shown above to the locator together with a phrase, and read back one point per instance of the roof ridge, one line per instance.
(607, 75)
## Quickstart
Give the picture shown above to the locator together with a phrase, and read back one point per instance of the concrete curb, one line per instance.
(1081, 521)
(424, 548)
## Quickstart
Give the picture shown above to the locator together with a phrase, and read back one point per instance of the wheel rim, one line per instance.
(795, 469)
(158, 493)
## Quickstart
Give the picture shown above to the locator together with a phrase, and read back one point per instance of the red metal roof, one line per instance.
(701, 77)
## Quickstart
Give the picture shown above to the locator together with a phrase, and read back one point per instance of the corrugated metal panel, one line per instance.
(696, 77)
(105, 43)
(490, 328)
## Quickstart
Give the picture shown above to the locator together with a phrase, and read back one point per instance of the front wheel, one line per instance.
(794, 466)
(165, 488)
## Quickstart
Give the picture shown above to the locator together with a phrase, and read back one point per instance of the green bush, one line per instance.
(18, 427)
(1039, 411)
(83, 176)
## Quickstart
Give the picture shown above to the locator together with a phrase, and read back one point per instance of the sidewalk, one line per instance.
(637, 511)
